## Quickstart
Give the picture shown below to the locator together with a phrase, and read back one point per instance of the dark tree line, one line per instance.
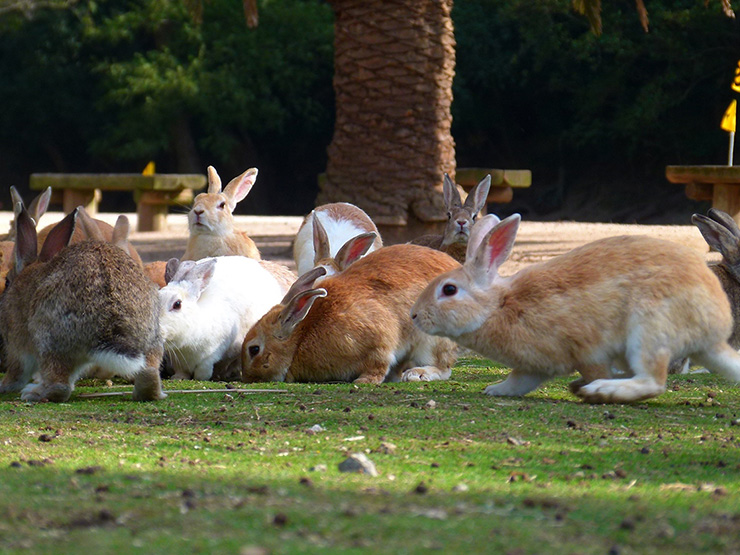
(110, 85)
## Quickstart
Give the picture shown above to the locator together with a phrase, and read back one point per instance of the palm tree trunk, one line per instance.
(394, 65)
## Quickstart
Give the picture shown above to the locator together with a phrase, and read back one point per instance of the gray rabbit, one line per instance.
(68, 308)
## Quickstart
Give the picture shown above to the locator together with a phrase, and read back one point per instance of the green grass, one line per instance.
(241, 473)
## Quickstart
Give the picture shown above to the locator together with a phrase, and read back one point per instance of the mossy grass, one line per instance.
(459, 471)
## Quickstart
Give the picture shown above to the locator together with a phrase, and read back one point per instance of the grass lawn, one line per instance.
(256, 473)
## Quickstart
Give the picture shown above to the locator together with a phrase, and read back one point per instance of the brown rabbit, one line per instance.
(211, 223)
(460, 219)
(69, 308)
(356, 327)
(634, 302)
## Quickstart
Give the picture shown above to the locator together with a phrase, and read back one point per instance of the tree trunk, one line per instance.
(394, 65)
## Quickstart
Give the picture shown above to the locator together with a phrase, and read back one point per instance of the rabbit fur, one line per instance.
(460, 218)
(211, 220)
(69, 308)
(325, 230)
(207, 308)
(356, 327)
(631, 301)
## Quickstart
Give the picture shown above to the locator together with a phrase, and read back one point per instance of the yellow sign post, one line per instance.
(736, 82)
(729, 123)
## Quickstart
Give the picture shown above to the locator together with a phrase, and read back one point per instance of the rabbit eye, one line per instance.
(177, 305)
(449, 215)
(222, 205)
(448, 290)
(254, 350)
(475, 216)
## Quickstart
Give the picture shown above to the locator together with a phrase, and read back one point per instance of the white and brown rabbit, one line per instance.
(632, 301)
(351, 251)
(460, 219)
(69, 308)
(326, 230)
(356, 327)
(211, 220)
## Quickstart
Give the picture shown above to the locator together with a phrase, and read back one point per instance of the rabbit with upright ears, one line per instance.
(634, 302)
(326, 230)
(207, 308)
(460, 218)
(211, 220)
(69, 308)
(356, 327)
(351, 251)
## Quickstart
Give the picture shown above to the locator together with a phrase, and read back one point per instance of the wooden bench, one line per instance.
(503, 182)
(720, 184)
(153, 194)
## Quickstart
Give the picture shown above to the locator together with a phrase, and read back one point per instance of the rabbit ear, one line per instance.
(726, 220)
(59, 237)
(354, 249)
(451, 194)
(170, 269)
(200, 274)
(718, 237)
(88, 225)
(479, 230)
(320, 240)
(477, 198)
(239, 187)
(214, 181)
(295, 311)
(303, 283)
(121, 232)
(493, 250)
(40, 205)
(15, 197)
(25, 239)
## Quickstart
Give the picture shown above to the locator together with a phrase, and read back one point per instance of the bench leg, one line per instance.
(727, 199)
(87, 199)
(151, 210)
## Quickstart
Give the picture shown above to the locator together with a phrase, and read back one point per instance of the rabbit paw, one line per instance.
(620, 391)
(38, 392)
(425, 374)
(515, 385)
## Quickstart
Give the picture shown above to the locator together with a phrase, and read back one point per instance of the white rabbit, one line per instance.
(632, 301)
(206, 309)
(339, 222)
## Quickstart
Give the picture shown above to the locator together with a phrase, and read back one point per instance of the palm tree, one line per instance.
(394, 62)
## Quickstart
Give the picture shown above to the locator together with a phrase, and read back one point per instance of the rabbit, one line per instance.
(211, 223)
(69, 308)
(90, 228)
(460, 219)
(206, 309)
(326, 229)
(356, 327)
(632, 301)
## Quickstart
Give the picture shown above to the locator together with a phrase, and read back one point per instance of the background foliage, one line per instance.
(108, 85)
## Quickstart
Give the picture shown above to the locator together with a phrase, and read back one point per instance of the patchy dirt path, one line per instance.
(536, 241)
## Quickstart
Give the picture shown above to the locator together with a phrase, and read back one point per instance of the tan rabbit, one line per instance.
(634, 302)
(356, 327)
(69, 308)
(351, 251)
(326, 230)
(211, 223)
(90, 228)
(460, 219)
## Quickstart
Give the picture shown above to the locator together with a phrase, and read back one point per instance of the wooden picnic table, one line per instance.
(153, 194)
(720, 184)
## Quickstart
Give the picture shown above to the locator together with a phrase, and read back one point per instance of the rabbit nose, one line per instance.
(462, 224)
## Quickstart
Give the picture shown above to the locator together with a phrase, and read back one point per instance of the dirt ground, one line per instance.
(536, 241)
